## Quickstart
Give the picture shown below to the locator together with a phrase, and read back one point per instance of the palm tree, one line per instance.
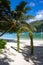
(20, 17)
(5, 14)
(19, 14)
(16, 16)
(21, 11)
(24, 28)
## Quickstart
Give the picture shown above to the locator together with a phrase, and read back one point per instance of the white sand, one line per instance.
(15, 58)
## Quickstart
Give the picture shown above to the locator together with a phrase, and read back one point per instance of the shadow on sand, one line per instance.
(5, 60)
(37, 58)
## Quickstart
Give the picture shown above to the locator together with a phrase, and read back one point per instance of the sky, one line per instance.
(36, 5)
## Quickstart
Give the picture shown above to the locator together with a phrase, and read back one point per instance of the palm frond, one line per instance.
(21, 6)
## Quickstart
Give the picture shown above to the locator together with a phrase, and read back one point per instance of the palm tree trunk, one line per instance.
(31, 47)
(18, 43)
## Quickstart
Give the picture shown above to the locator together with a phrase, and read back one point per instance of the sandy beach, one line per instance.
(10, 56)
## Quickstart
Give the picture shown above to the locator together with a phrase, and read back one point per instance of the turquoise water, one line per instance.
(24, 35)
(35, 35)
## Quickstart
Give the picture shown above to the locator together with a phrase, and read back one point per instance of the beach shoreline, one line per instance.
(15, 58)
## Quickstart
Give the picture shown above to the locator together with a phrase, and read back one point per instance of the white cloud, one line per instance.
(32, 4)
(39, 16)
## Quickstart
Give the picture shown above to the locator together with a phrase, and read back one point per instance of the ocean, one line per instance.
(23, 35)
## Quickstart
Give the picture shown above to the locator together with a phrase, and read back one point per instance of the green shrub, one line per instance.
(2, 44)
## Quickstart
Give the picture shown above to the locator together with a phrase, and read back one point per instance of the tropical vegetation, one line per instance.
(12, 21)
(2, 44)
(38, 25)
